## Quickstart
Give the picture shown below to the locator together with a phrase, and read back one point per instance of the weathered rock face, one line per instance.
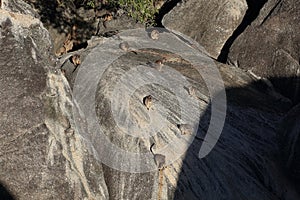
(24, 140)
(38, 158)
(19, 7)
(210, 23)
(43, 156)
(270, 46)
(245, 164)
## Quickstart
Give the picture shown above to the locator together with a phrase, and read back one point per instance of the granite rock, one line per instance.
(269, 47)
(210, 23)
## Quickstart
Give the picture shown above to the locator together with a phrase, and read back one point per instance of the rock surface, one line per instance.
(241, 166)
(247, 154)
(270, 46)
(38, 159)
(45, 154)
(210, 23)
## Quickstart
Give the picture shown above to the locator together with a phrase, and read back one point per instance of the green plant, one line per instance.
(141, 10)
(91, 3)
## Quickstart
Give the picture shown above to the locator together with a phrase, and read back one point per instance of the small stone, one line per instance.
(185, 129)
(154, 34)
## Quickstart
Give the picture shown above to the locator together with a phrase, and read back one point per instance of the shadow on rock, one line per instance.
(65, 18)
(248, 161)
(5, 194)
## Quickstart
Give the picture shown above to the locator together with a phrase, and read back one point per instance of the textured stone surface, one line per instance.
(24, 135)
(269, 47)
(245, 164)
(42, 155)
(38, 159)
(210, 23)
(18, 6)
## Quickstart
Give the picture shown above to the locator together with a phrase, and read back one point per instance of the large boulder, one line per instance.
(270, 46)
(244, 164)
(39, 159)
(48, 149)
(210, 23)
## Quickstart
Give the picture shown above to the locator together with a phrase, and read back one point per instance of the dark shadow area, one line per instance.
(78, 46)
(256, 155)
(52, 14)
(166, 8)
(289, 143)
(252, 12)
(5, 194)
(288, 87)
(63, 17)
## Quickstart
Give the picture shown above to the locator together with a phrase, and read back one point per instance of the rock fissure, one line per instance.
(250, 15)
